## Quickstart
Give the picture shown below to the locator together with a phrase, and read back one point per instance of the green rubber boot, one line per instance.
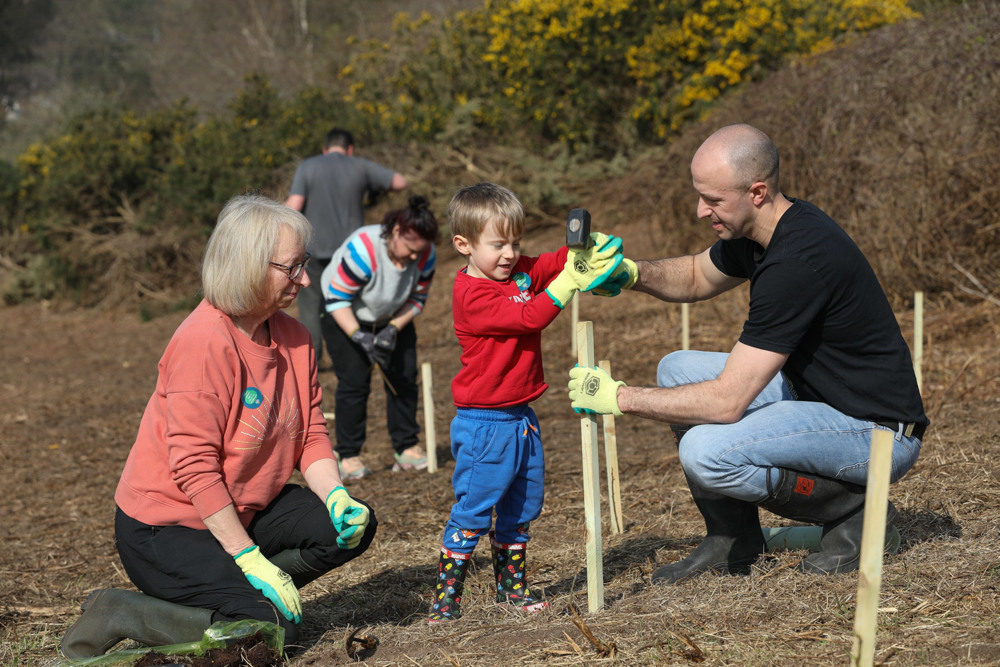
(113, 614)
(290, 561)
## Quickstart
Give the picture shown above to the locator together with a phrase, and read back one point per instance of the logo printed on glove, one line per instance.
(580, 265)
(591, 385)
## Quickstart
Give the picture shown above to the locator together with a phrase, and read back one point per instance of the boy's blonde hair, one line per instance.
(475, 206)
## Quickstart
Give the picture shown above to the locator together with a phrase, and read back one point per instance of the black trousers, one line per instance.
(188, 566)
(353, 370)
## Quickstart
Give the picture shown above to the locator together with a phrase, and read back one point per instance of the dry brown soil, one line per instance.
(73, 385)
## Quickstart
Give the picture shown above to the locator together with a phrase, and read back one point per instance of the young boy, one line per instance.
(501, 302)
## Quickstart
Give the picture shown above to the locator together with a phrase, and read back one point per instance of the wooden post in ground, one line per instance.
(685, 326)
(872, 544)
(918, 338)
(591, 481)
(430, 436)
(611, 463)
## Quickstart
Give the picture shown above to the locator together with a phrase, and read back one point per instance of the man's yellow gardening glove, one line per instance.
(349, 517)
(272, 581)
(623, 277)
(585, 269)
(593, 391)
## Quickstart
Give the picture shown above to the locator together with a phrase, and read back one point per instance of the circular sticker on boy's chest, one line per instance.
(522, 280)
(252, 398)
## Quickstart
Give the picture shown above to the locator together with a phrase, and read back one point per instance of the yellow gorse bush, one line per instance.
(589, 72)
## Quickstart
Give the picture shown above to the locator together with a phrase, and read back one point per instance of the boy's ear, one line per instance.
(462, 244)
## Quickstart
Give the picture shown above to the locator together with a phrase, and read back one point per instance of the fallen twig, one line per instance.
(605, 650)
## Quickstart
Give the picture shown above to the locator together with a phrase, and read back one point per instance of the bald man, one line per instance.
(784, 420)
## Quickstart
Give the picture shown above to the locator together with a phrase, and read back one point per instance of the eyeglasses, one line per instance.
(295, 270)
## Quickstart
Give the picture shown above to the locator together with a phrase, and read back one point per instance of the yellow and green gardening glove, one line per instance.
(623, 277)
(585, 269)
(593, 391)
(349, 517)
(272, 581)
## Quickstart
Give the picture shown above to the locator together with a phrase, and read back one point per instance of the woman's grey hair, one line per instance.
(235, 269)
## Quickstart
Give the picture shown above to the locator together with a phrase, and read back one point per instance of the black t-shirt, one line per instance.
(814, 296)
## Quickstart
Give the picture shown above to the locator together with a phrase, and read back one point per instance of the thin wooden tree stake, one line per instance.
(430, 436)
(872, 543)
(591, 481)
(918, 338)
(574, 322)
(685, 326)
(611, 462)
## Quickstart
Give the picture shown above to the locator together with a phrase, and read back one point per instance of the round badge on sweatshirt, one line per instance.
(522, 280)
(252, 398)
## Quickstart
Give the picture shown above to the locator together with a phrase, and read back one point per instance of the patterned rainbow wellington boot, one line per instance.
(512, 589)
(447, 604)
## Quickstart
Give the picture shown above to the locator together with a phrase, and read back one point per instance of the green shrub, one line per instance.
(592, 74)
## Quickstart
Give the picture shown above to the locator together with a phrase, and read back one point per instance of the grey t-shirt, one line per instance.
(334, 187)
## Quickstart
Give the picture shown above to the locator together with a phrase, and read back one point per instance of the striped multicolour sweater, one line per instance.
(361, 275)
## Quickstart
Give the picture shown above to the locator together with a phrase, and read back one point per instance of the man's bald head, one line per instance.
(749, 153)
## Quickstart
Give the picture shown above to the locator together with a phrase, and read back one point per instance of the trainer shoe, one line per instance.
(353, 468)
(412, 458)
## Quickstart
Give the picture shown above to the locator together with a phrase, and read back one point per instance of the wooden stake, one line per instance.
(918, 337)
(872, 543)
(685, 326)
(574, 313)
(591, 481)
(430, 437)
(611, 462)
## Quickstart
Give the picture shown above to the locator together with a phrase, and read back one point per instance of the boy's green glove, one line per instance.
(349, 517)
(593, 391)
(272, 581)
(623, 277)
(585, 269)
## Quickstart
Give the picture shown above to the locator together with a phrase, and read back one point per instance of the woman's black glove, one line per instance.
(385, 343)
(385, 339)
(365, 340)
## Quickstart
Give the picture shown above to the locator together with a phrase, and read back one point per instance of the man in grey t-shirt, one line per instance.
(329, 189)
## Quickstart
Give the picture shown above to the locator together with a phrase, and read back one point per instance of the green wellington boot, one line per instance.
(291, 562)
(113, 614)
(447, 605)
(512, 588)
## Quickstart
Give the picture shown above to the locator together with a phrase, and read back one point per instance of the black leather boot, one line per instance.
(837, 506)
(113, 614)
(733, 543)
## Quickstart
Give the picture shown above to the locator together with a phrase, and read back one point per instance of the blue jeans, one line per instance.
(776, 431)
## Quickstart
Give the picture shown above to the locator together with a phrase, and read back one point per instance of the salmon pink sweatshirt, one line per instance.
(229, 422)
